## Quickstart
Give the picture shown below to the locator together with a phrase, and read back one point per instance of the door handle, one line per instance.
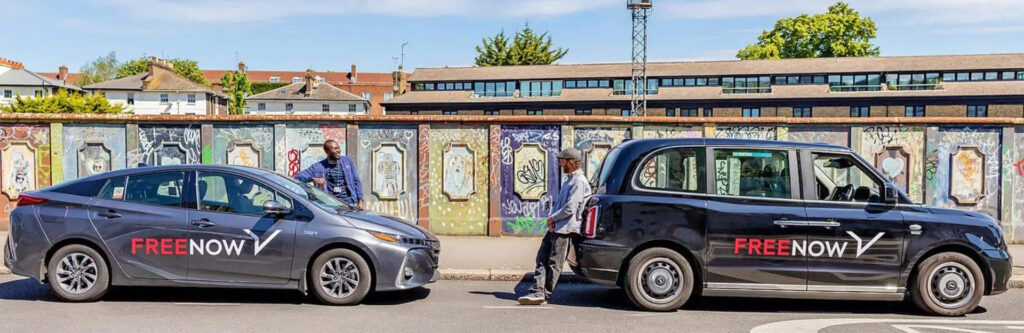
(110, 214)
(788, 223)
(826, 224)
(915, 229)
(203, 223)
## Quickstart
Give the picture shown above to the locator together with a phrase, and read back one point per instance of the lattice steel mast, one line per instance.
(640, 9)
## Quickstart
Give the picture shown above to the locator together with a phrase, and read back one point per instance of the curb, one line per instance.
(498, 275)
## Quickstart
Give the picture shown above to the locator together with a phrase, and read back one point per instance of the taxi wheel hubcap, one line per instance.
(76, 273)
(339, 277)
(660, 280)
(951, 285)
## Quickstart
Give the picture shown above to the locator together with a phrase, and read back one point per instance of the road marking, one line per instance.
(518, 307)
(209, 304)
(647, 314)
(815, 325)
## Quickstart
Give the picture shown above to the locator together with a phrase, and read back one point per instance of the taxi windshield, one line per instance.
(311, 193)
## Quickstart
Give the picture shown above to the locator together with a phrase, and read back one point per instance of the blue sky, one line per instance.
(333, 34)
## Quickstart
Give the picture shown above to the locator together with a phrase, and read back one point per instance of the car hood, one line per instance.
(383, 223)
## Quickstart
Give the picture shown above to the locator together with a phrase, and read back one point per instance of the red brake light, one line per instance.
(590, 224)
(26, 200)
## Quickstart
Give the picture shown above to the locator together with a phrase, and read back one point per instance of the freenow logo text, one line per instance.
(801, 248)
(187, 246)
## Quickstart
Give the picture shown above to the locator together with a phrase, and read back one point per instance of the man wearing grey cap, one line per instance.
(563, 223)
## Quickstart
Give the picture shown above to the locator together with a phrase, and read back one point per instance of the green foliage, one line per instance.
(262, 87)
(840, 32)
(526, 48)
(99, 70)
(184, 67)
(239, 87)
(63, 102)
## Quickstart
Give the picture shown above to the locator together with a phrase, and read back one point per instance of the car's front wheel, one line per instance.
(659, 279)
(340, 277)
(77, 273)
(948, 284)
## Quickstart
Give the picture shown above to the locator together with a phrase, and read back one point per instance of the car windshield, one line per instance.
(311, 193)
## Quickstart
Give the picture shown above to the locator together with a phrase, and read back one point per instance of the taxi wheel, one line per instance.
(948, 284)
(340, 277)
(77, 273)
(659, 279)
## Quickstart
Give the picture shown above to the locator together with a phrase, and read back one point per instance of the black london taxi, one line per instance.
(674, 218)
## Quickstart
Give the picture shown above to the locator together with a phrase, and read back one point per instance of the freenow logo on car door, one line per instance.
(188, 246)
(801, 248)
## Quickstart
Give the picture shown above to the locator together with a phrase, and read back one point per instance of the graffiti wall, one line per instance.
(1017, 175)
(304, 145)
(837, 136)
(387, 162)
(91, 149)
(529, 177)
(898, 151)
(595, 143)
(747, 132)
(458, 180)
(656, 131)
(246, 145)
(24, 164)
(166, 145)
(968, 163)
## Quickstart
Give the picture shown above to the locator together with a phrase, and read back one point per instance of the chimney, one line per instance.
(309, 83)
(352, 74)
(62, 73)
(400, 81)
(241, 67)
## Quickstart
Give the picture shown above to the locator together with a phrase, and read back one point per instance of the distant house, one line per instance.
(160, 90)
(307, 96)
(16, 81)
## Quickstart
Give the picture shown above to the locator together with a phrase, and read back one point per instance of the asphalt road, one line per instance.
(467, 306)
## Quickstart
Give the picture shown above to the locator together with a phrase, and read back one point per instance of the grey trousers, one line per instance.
(550, 259)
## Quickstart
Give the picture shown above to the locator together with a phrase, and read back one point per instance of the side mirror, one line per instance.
(891, 195)
(271, 207)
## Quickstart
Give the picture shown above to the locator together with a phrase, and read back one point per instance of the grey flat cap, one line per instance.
(570, 154)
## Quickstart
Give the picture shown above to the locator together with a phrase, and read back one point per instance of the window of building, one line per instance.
(948, 77)
(275, 79)
(494, 89)
(351, 108)
(747, 85)
(289, 107)
(131, 98)
(670, 112)
(162, 189)
(366, 96)
(802, 112)
(674, 169)
(626, 112)
(625, 87)
(855, 82)
(164, 98)
(540, 88)
(296, 79)
(977, 76)
(325, 107)
(319, 79)
(39, 94)
(450, 112)
(8, 93)
(860, 111)
(991, 76)
(389, 96)
(1020, 75)
(752, 173)
(414, 112)
(977, 110)
(534, 112)
(261, 106)
(1009, 76)
(708, 112)
(491, 112)
(915, 110)
(688, 112)
(751, 112)
(191, 98)
(584, 112)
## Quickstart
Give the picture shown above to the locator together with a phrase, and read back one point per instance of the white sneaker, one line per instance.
(532, 299)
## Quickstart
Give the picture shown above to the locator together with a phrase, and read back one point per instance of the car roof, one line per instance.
(728, 142)
(187, 167)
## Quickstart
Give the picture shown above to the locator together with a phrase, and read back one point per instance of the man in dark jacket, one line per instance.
(336, 175)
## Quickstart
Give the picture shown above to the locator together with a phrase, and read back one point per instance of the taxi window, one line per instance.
(162, 189)
(113, 189)
(752, 173)
(673, 169)
(228, 193)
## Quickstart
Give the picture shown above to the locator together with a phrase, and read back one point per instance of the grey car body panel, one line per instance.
(37, 229)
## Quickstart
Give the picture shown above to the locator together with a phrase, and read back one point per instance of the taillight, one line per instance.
(26, 200)
(590, 224)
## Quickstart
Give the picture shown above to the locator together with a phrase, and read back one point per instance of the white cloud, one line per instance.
(233, 11)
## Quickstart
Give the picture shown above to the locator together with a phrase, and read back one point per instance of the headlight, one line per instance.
(393, 238)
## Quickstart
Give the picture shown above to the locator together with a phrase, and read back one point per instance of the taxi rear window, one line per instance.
(604, 169)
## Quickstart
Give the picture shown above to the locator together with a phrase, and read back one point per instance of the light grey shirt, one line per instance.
(568, 208)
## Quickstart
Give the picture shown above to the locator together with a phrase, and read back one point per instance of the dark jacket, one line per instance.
(348, 168)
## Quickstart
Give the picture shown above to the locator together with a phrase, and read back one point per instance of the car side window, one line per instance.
(840, 177)
(226, 193)
(674, 169)
(163, 188)
(752, 173)
(113, 189)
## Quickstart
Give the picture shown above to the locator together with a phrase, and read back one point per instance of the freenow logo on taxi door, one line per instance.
(188, 246)
(800, 248)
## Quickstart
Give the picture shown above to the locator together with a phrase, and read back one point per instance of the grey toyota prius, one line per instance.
(211, 226)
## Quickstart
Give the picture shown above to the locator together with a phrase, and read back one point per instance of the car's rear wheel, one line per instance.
(659, 279)
(948, 284)
(77, 273)
(340, 277)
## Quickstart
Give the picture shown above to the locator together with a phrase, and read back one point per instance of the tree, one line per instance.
(238, 86)
(184, 67)
(99, 70)
(841, 32)
(526, 48)
(63, 102)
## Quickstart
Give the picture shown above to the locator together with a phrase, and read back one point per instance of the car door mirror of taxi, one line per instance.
(891, 195)
(272, 207)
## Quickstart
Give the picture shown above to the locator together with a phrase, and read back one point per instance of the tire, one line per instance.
(348, 278)
(77, 273)
(948, 284)
(659, 279)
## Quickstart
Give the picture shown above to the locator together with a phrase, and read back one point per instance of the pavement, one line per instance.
(511, 259)
(468, 306)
